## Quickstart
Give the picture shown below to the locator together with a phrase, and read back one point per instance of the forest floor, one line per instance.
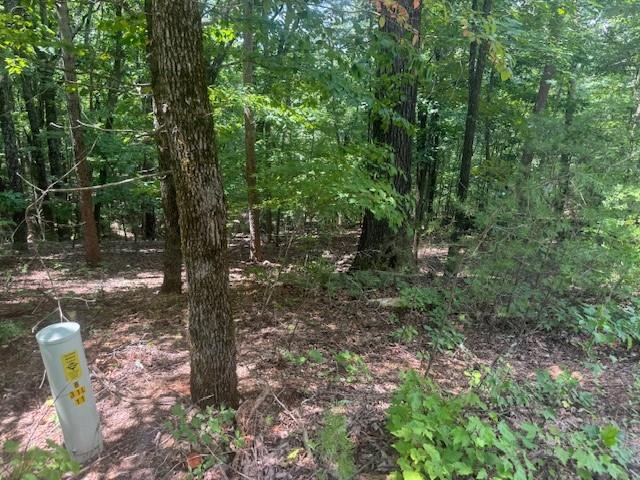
(137, 350)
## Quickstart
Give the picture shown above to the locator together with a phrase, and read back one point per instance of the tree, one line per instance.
(91, 246)
(12, 158)
(250, 138)
(381, 245)
(541, 102)
(180, 90)
(37, 152)
(426, 167)
(477, 60)
(113, 86)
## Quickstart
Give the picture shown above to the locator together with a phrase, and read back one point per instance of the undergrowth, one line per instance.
(50, 463)
(473, 435)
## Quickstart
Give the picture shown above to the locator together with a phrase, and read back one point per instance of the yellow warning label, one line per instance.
(71, 365)
(78, 394)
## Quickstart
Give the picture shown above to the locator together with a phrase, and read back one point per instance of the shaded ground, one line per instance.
(138, 355)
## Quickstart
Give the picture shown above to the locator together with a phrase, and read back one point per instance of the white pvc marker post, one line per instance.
(64, 359)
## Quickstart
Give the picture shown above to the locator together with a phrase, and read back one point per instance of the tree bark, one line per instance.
(381, 246)
(426, 170)
(12, 157)
(255, 247)
(180, 89)
(91, 246)
(565, 158)
(172, 253)
(541, 102)
(39, 171)
(477, 59)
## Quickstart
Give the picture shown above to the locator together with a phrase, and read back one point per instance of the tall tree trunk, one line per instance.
(91, 246)
(148, 212)
(48, 96)
(12, 158)
(48, 93)
(180, 89)
(541, 102)
(382, 246)
(565, 158)
(172, 253)
(38, 160)
(477, 59)
(255, 247)
(426, 169)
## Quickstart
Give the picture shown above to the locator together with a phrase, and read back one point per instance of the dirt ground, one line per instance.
(138, 357)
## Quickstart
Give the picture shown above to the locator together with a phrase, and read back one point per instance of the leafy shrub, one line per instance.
(361, 282)
(313, 275)
(208, 436)
(352, 364)
(438, 308)
(609, 324)
(499, 388)
(9, 330)
(442, 436)
(335, 449)
(541, 268)
(51, 463)
(405, 334)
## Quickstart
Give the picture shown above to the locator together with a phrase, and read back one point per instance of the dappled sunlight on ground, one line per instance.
(289, 339)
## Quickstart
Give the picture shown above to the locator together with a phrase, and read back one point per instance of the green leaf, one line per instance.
(609, 435)
(412, 475)
(561, 454)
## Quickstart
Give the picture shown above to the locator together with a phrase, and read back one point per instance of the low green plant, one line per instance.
(9, 330)
(443, 436)
(609, 323)
(334, 448)
(209, 433)
(436, 305)
(361, 282)
(292, 358)
(313, 275)
(405, 334)
(352, 365)
(312, 355)
(564, 390)
(420, 298)
(50, 463)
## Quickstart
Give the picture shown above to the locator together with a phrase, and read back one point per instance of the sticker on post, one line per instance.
(78, 394)
(71, 365)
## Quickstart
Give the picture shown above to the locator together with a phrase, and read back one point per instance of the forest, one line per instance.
(323, 239)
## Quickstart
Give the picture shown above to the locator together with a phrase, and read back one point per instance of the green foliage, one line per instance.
(9, 330)
(361, 282)
(312, 355)
(50, 463)
(609, 324)
(209, 433)
(335, 449)
(312, 275)
(405, 334)
(441, 436)
(351, 365)
(437, 305)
